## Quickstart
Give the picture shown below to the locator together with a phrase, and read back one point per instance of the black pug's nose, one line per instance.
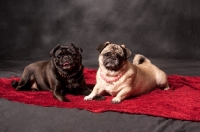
(67, 59)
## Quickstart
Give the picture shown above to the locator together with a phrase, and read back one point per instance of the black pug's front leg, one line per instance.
(59, 94)
(85, 91)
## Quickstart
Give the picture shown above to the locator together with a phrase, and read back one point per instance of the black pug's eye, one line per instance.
(72, 55)
(59, 56)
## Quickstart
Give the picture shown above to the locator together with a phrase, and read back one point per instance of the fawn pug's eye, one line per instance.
(107, 54)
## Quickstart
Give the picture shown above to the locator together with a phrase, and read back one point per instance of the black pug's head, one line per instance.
(66, 58)
(112, 56)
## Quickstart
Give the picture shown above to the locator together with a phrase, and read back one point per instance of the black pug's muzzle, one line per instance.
(67, 59)
(66, 62)
(112, 61)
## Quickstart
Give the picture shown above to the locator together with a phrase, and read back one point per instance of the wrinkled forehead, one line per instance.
(65, 50)
(113, 48)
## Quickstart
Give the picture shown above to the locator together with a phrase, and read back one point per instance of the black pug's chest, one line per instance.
(72, 84)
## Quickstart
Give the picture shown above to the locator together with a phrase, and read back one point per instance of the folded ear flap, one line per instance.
(77, 48)
(127, 52)
(54, 49)
(101, 47)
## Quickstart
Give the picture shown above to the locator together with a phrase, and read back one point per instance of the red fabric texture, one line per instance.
(181, 102)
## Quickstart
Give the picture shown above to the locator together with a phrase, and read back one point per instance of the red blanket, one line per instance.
(181, 102)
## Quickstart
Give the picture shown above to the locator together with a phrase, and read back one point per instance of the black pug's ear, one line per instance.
(127, 52)
(76, 48)
(54, 49)
(101, 47)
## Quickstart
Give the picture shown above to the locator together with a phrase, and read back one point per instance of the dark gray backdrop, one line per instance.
(157, 29)
(160, 29)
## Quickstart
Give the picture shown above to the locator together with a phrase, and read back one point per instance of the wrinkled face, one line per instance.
(113, 57)
(67, 57)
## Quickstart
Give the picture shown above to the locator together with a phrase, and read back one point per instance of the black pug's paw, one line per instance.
(61, 98)
(65, 100)
(99, 97)
(86, 91)
(14, 83)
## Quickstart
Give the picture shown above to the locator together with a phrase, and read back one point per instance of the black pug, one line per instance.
(62, 74)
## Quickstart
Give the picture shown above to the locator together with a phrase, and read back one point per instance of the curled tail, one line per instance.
(14, 83)
(140, 59)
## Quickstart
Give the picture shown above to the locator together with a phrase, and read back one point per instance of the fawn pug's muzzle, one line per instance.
(112, 60)
(113, 56)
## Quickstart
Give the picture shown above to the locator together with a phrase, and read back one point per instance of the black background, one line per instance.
(157, 29)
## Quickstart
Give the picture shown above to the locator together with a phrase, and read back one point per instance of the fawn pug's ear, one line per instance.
(127, 52)
(102, 46)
